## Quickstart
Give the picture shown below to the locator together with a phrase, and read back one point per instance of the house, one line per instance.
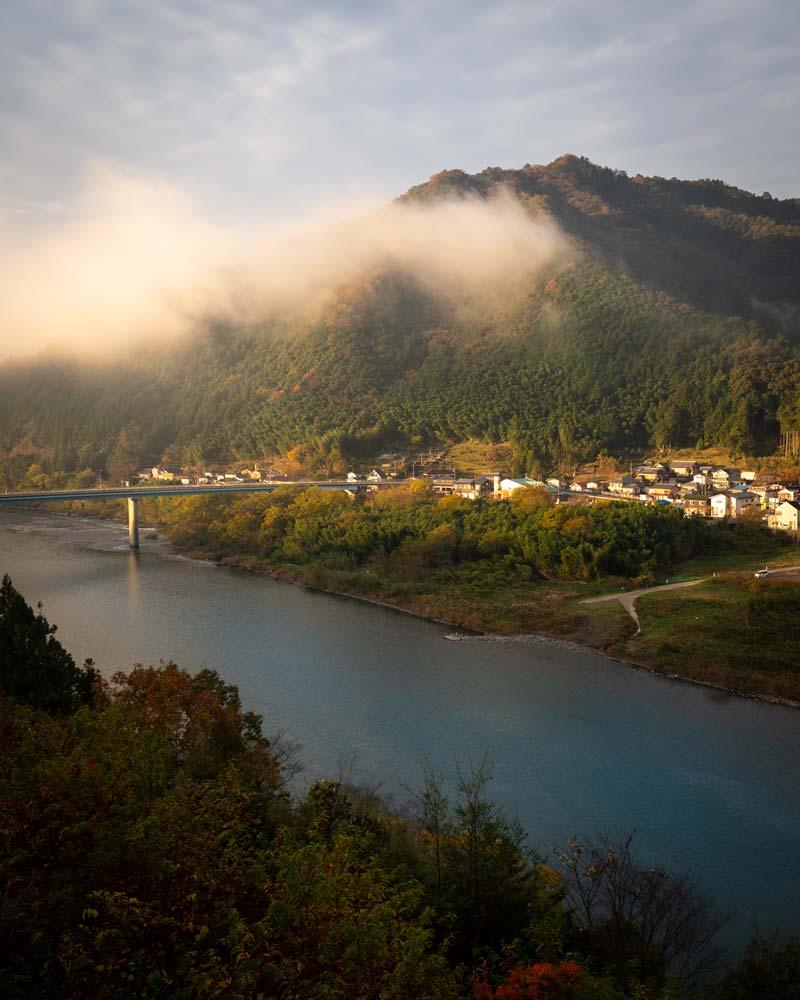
(652, 473)
(718, 505)
(684, 468)
(470, 489)
(375, 477)
(696, 504)
(786, 516)
(166, 473)
(473, 488)
(662, 491)
(627, 485)
(732, 503)
(509, 485)
(723, 476)
(767, 496)
(742, 501)
(788, 493)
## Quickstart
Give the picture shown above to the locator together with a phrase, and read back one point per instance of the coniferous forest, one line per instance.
(670, 319)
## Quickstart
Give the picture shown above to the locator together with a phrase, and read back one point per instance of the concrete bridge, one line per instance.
(133, 494)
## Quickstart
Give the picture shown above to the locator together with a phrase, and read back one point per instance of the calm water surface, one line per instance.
(581, 743)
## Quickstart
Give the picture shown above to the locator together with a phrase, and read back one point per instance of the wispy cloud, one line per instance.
(136, 260)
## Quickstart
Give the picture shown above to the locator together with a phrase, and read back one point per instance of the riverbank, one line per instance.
(716, 635)
(559, 615)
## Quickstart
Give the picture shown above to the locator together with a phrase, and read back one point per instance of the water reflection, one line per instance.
(134, 582)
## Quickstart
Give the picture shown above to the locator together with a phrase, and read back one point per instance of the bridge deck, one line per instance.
(140, 492)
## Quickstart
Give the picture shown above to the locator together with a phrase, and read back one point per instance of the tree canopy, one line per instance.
(35, 669)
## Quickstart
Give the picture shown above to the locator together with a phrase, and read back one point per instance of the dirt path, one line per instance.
(627, 598)
(780, 570)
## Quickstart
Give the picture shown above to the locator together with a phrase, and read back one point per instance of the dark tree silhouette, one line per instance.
(34, 667)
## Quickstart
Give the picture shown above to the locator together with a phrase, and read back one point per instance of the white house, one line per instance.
(732, 503)
(719, 505)
(509, 485)
(786, 516)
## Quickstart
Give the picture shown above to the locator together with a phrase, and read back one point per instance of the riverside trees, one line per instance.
(410, 535)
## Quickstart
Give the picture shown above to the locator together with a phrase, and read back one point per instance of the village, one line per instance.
(699, 490)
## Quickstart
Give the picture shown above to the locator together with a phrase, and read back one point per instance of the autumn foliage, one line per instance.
(542, 981)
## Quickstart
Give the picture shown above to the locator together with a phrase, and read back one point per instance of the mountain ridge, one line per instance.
(673, 320)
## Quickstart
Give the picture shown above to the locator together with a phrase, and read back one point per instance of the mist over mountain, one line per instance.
(567, 308)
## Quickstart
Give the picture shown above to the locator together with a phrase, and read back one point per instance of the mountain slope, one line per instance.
(672, 320)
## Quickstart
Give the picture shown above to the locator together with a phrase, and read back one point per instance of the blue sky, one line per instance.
(273, 109)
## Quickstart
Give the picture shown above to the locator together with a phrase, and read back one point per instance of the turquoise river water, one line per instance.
(580, 742)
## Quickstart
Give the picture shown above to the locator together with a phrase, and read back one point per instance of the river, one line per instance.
(580, 742)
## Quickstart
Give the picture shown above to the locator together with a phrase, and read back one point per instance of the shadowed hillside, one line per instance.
(668, 317)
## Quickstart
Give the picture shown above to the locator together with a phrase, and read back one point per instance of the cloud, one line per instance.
(136, 260)
(255, 106)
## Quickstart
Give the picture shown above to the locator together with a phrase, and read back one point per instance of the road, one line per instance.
(627, 598)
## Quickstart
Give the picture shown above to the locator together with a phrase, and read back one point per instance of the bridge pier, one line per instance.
(133, 522)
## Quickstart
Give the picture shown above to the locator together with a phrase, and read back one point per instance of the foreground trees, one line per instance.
(35, 669)
(768, 970)
(149, 848)
(625, 912)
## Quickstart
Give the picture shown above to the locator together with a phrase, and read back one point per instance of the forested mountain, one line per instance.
(672, 319)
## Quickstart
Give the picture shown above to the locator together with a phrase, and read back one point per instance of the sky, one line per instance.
(273, 110)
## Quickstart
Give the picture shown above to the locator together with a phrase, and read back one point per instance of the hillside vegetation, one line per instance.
(672, 320)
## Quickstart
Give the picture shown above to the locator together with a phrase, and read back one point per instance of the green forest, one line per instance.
(153, 844)
(412, 536)
(672, 321)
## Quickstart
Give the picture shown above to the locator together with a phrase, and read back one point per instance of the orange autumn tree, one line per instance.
(542, 981)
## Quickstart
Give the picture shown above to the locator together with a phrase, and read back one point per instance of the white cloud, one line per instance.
(254, 106)
(136, 260)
